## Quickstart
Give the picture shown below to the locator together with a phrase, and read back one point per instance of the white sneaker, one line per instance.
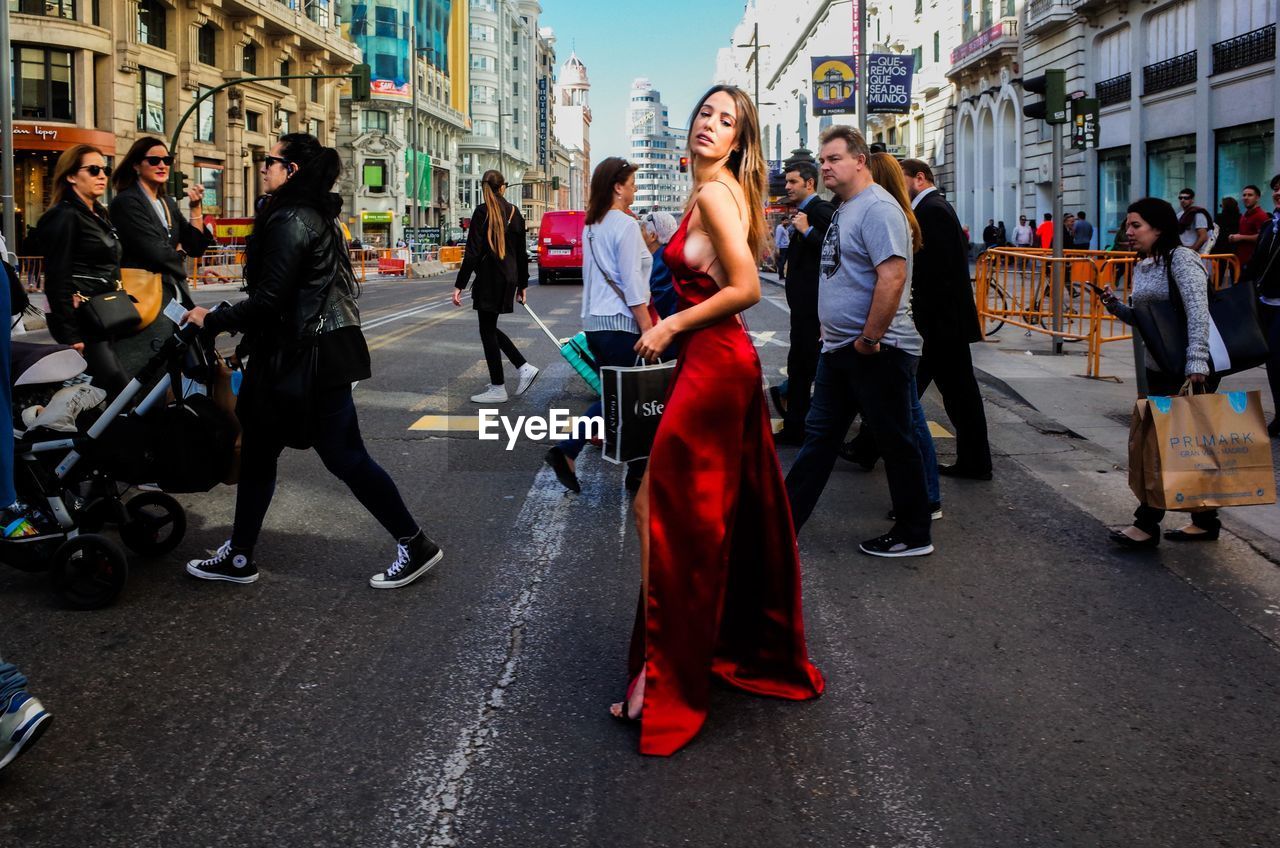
(493, 394)
(528, 373)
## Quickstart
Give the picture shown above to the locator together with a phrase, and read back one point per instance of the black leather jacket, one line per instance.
(292, 267)
(150, 245)
(81, 254)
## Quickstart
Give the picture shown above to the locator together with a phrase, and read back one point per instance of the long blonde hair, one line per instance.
(746, 163)
(493, 181)
(887, 171)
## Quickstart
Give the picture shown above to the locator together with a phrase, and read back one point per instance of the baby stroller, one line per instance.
(78, 481)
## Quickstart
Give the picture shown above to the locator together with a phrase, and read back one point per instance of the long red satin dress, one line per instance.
(724, 571)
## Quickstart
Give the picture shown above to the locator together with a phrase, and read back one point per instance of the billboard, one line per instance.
(835, 85)
(889, 82)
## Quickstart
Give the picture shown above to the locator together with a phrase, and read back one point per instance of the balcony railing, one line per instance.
(1114, 90)
(1252, 48)
(1170, 73)
(1046, 11)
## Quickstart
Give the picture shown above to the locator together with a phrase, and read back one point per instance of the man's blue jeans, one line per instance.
(11, 680)
(609, 347)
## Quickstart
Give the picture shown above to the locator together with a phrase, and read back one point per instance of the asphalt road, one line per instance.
(1026, 685)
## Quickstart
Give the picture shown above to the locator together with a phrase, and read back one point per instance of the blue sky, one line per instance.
(672, 42)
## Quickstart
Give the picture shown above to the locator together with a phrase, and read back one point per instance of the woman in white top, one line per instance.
(615, 287)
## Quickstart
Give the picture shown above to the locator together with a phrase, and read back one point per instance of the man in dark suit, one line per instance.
(946, 315)
(808, 229)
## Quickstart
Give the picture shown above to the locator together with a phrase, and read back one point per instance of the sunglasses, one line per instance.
(157, 161)
(268, 161)
(95, 170)
(1184, 197)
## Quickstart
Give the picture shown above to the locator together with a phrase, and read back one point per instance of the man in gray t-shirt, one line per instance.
(870, 348)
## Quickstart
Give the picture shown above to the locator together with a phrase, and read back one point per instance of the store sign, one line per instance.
(376, 217)
(390, 90)
(889, 83)
(1084, 123)
(57, 139)
(835, 87)
(542, 123)
(982, 41)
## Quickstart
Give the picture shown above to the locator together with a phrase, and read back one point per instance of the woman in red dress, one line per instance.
(720, 569)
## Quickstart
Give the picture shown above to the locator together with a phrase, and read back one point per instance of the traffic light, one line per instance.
(1053, 85)
(177, 184)
(555, 183)
(360, 76)
(684, 164)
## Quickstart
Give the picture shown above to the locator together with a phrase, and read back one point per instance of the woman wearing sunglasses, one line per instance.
(155, 234)
(81, 258)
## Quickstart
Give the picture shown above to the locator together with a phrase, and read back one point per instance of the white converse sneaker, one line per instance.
(493, 394)
(528, 373)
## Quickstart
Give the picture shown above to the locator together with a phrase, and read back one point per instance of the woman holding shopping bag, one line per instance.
(1152, 230)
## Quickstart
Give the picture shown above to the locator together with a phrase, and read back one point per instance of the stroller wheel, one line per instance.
(89, 571)
(157, 523)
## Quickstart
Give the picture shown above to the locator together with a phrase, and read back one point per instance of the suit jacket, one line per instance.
(942, 300)
(150, 245)
(1264, 267)
(804, 255)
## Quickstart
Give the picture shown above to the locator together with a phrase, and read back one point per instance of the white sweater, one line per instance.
(614, 245)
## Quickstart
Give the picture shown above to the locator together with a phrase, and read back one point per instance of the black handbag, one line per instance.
(111, 314)
(1233, 313)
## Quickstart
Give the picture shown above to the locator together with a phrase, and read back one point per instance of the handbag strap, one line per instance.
(591, 237)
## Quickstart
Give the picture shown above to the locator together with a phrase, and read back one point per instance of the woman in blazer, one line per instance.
(497, 255)
(82, 258)
(155, 235)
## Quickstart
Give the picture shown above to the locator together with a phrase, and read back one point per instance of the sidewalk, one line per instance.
(1023, 367)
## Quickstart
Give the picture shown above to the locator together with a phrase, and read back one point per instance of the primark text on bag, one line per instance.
(1207, 451)
(633, 398)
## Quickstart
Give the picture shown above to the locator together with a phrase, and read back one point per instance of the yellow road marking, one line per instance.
(447, 424)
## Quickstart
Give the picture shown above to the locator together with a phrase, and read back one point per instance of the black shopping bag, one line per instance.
(633, 399)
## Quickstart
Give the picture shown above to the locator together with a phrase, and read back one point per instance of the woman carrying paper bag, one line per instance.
(1152, 230)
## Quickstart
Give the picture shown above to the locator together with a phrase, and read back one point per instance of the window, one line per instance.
(1244, 157)
(151, 23)
(42, 84)
(313, 127)
(318, 11)
(285, 68)
(483, 5)
(917, 54)
(249, 58)
(919, 7)
(252, 121)
(206, 45)
(484, 32)
(284, 121)
(385, 22)
(1171, 165)
(204, 115)
(487, 129)
(375, 175)
(1114, 177)
(315, 90)
(48, 8)
(937, 47)
(375, 120)
(483, 63)
(150, 100)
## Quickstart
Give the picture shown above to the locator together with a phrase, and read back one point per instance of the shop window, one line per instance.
(1115, 179)
(151, 23)
(375, 175)
(150, 100)
(47, 8)
(253, 121)
(42, 84)
(204, 115)
(249, 58)
(1171, 166)
(1244, 157)
(375, 120)
(207, 45)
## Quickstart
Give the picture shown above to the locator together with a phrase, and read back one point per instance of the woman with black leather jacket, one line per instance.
(301, 293)
(81, 259)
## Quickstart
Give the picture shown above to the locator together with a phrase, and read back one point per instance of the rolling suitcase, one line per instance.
(575, 351)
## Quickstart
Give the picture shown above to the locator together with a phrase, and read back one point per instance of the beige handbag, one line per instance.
(147, 290)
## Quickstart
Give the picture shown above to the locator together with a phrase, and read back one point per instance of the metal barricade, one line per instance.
(218, 266)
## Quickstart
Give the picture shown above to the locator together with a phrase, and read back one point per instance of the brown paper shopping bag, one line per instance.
(1201, 452)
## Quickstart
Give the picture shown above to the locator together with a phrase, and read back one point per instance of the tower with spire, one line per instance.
(573, 125)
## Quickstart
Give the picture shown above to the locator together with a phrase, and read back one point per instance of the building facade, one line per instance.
(401, 147)
(656, 151)
(107, 73)
(503, 48)
(572, 126)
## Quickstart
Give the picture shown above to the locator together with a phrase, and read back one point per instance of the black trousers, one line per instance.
(950, 365)
(1269, 316)
(879, 387)
(802, 366)
(494, 340)
(1148, 518)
